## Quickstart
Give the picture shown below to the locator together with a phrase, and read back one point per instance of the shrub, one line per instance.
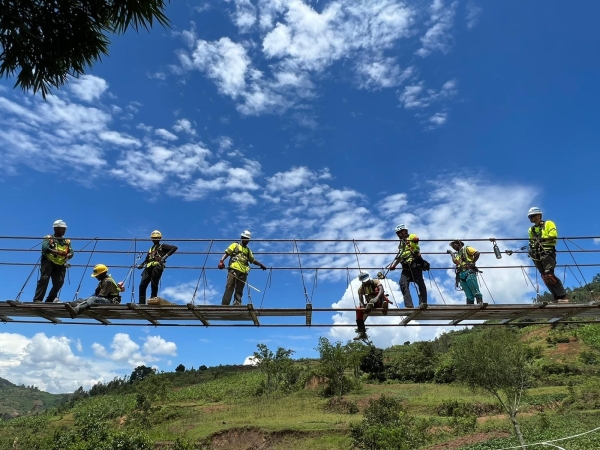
(387, 426)
(341, 406)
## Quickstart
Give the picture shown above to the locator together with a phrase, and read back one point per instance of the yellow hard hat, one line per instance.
(156, 235)
(99, 269)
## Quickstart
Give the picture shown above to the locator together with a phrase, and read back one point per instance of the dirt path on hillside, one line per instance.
(469, 440)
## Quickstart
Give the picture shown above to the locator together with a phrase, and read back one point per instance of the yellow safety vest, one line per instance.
(409, 248)
(153, 255)
(464, 258)
(65, 247)
(240, 257)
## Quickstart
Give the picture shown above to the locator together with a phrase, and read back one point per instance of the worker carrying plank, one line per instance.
(240, 257)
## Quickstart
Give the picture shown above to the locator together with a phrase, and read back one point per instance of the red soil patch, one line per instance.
(213, 408)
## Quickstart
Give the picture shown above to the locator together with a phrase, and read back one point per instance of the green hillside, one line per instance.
(20, 400)
(292, 404)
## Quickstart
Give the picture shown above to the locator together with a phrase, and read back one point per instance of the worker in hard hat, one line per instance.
(465, 258)
(413, 264)
(153, 266)
(107, 292)
(370, 295)
(56, 251)
(543, 237)
(240, 256)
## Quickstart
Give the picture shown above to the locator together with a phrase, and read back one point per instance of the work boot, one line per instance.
(237, 303)
(37, 301)
(56, 300)
(75, 310)
(479, 300)
(369, 307)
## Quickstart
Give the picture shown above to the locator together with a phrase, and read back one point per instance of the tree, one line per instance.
(141, 372)
(274, 365)
(45, 42)
(180, 368)
(497, 362)
(372, 363)
(356, 352)
(335, 360)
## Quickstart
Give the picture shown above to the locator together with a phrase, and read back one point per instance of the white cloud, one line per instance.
(184, 125)
(155, 345)
(438, 119)
(417, 97)
(245, 15)
(597, 241)
(224, 61)
(437, 37)
(49, 363)
(88, 87)
(301, 43)
(250, 361)
(473, 14)
(184, 292)
(120, 139)
(166, 134)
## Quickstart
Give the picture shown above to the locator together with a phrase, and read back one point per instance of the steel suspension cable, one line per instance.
(28, 278)
(436, 285)
(86, 267)
(350, 286)
(267, 285)
(578, 268)
(301, 272)
(202, 271)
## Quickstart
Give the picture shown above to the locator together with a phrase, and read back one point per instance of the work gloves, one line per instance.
(221, 265)
(393, 267)
(263, 267)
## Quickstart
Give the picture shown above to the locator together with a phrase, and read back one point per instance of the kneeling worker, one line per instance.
(240, 257)
(370, 295)
(108, 291)
(466, 271)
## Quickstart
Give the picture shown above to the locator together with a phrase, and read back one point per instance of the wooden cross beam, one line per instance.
(570, 314)
(308, 314)
(522, 314)
(468, 314)
(96, 316)
(5, 319)
(253, 315)
(34, 310)
(413, 314)
(198, 314)
(140, 312)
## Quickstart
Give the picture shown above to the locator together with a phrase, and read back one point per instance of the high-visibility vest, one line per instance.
(409, 248)
(55, 245)
(153, 255)
(463, 257)
(240, 257)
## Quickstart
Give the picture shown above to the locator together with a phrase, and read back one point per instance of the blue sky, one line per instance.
(299, 119)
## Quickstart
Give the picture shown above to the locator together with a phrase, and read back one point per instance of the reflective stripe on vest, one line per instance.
(463, 258)
(153, 255)
(54, 245)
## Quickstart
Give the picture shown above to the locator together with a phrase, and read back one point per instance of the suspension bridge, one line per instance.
(320, 257)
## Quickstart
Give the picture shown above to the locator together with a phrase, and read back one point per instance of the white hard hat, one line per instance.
(533, 211)
(246, 234)
(59, 224)
(364, 276)
(401, 227)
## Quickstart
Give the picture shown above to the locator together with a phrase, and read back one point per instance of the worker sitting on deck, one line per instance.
(153, 266)
(56, 251)
(370, 295)
(466, 271)
(107, 292)
(240, 257)
(542, 250)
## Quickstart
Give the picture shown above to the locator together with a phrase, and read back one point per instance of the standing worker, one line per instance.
(370, 295)
(542, 250)
(56, 251)
(108, 291)
(240, 257)
(153, 265)
(466, 270)
(413, 264)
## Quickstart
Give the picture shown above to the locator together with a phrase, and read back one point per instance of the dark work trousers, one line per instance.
(49, 270)
(235, 282)
(151, 275)
(547, 265)
(414, 274)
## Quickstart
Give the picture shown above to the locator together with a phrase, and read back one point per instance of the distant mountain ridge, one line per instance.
(21, 400)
